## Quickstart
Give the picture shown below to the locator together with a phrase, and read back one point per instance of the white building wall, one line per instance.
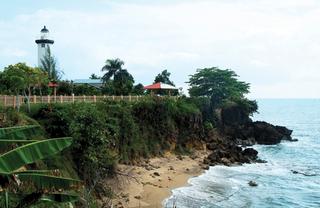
(42, 52)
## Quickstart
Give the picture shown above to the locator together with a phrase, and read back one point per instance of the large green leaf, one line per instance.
(43, 181)
(9, 141)
(60, 198)
(21, 132)
(30, 153)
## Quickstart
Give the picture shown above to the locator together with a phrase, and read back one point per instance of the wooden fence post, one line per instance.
(94, 99)
(48, 98)
(14, 102)
(121, 97)
(84, 98)
(72, 97)
(5, 101)
(130, 98)
(61, 99)
(34, 99)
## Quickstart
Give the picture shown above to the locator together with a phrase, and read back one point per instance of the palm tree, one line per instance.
(49, 65)
(111, 67)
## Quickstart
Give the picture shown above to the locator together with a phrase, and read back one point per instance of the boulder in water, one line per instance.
(252, 183)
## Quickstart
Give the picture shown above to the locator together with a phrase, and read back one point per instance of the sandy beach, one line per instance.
(149, 184)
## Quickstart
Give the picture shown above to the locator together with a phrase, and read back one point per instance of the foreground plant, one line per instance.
(23, 187)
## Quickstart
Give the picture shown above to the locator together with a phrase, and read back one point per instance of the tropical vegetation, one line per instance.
(21, 185)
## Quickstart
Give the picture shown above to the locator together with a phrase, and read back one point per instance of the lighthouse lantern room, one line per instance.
(43, 43)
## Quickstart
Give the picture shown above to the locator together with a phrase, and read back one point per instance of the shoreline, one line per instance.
(149, 184)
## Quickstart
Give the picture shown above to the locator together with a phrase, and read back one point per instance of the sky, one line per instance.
(272, 44)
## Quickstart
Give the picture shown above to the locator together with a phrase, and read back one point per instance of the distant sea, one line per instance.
(278, 186)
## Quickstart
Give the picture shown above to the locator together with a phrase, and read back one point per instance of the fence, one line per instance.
(11, 101)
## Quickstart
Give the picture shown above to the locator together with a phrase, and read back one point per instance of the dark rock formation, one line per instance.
(237, 129)
(226, 151)
(265, 133)
(237, 125)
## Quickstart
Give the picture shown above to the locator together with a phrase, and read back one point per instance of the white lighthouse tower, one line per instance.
(43, 43)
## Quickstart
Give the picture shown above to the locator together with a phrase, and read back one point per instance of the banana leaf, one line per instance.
(30, 153)
(9, 141)
(60, 198)
(21, 133)
(42, 181)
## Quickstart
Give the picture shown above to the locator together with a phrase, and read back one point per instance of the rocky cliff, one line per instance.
(235, 132)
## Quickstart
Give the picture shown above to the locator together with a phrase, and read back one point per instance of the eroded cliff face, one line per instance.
(235, 132)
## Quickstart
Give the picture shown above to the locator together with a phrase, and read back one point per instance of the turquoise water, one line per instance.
(278, 186)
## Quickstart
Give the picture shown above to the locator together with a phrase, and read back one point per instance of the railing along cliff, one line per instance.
(11, 101)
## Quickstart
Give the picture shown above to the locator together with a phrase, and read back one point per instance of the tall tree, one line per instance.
(49, 65)
(123, 82)
(138, 89)
(217, 84)
(164, 77)
(22, 79)
(111, 67)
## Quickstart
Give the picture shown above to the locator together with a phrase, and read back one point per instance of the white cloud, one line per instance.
(272, 44)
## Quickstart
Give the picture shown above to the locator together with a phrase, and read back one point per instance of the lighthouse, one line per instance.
(44, 42)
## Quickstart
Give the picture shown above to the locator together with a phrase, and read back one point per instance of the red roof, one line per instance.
(158, 86)
(153, 86)
(52, 84)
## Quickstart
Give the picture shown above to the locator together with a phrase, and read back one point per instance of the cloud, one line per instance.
(272, 44)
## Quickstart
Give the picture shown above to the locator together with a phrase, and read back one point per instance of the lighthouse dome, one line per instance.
(44, 30)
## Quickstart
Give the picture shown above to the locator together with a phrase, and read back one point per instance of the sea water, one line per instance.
(290, 178)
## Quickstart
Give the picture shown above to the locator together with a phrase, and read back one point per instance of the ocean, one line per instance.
(290, 178)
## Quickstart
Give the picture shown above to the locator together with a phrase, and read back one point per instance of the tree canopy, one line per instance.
(217, 84)
(117, 80)
(94, 76)
(164, 77)
(123, 82)
(111, 67)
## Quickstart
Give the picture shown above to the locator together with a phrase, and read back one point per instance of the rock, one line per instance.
(137, 197)
(246, 142)
(250, 153)
(156, 174)
(233, 115)
(205, 167)
(124, 195)
(252, 183)
(187, 169)
(266, 133)
(225, 161)
(193, 157)
(211, 146)
(171, 168)
(148, 168)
